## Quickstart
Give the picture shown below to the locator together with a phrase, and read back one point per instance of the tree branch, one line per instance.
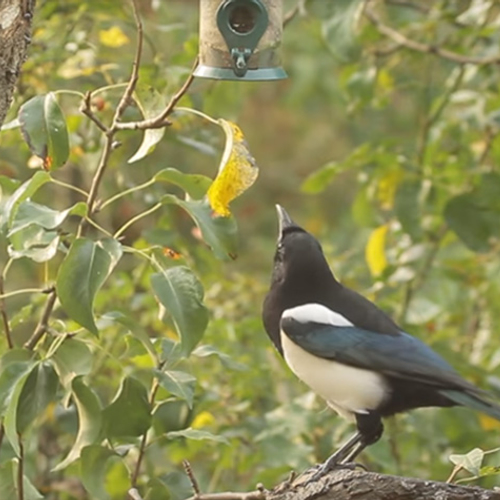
(344, 484)
(43, 324)
(436, 50)
(3, 312)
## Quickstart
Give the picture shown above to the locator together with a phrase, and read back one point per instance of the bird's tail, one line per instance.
(474, 401)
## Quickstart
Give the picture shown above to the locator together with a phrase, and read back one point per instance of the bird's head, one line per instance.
(298, 254)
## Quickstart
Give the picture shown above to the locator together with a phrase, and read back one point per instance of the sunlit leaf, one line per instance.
(180, 292)
(219, 233)
(470, 461)
(197, 435)
(80, 276)
(29, 213)
(44, 129)
(237, 171)
(180, 384)
(195, 185)
(35, 243)
(151, 103)
(375, 251)
(132, 401)
(89, 420)
(23, 192)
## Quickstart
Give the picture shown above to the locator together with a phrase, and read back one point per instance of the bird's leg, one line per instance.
(370, 430)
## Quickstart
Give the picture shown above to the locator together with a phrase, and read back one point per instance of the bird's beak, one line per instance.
(284, 220)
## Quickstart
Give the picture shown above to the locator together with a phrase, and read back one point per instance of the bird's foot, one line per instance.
(320, 470)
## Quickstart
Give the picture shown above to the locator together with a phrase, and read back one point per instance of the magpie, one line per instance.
(350, 352)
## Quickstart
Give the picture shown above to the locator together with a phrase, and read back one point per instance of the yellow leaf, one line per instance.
(113, 37)
(375, 251)
(386, 189)
(237, 170)
(488, 423)
(203, 419)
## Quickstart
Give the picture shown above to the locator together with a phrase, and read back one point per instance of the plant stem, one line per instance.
(133, 220)
(142, 447)
(43, 324)
(5, 318)
(20, 470)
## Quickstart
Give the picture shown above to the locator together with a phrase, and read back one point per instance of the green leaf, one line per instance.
(23, 192)
(137, 330)
(14, 364)
(181, 293)
(319, 180)
(151, 103)
(44, 129)
(132, 401)
(35, 243)
(227, 361)
(93, 467)
(180, 384)
(195, 185)
(89, 420)
(197, 435)
(9, 483)
(72, 358)
(29, 213)
(474, 222)
(157, 490)
(38, 391)
(471, 461)
(171, 415)
(80, 276)
(10, 419)
(220, 233)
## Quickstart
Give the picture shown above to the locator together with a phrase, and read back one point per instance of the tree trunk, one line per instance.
(15, 37)
(346, 484)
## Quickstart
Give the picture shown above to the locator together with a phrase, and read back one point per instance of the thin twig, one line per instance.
(190, 474)
(231, 495)
(86, 109)
(436, 50)
(20, 470)
(5, 318)
(43, 324)
(142, 447)
(134, 77)
(160, 120)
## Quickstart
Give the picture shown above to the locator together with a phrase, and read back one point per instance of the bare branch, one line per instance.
(43, 324)
(134, 77)
(3, 312)
(160, 120)
(231, 495)
(142, 447)
(436, 50)
(86, 109)
(191, 476)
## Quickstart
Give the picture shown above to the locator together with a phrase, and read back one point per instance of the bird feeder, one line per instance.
(239, 40)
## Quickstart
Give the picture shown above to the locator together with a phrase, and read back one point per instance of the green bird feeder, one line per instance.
(239, 40)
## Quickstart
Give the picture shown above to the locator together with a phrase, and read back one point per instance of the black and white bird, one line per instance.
(348, 351)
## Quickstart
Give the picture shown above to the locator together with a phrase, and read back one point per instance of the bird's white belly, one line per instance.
(347, 389)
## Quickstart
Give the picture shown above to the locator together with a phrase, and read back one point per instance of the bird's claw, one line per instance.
(321, 470)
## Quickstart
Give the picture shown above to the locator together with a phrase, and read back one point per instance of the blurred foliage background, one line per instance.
(383, 142)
